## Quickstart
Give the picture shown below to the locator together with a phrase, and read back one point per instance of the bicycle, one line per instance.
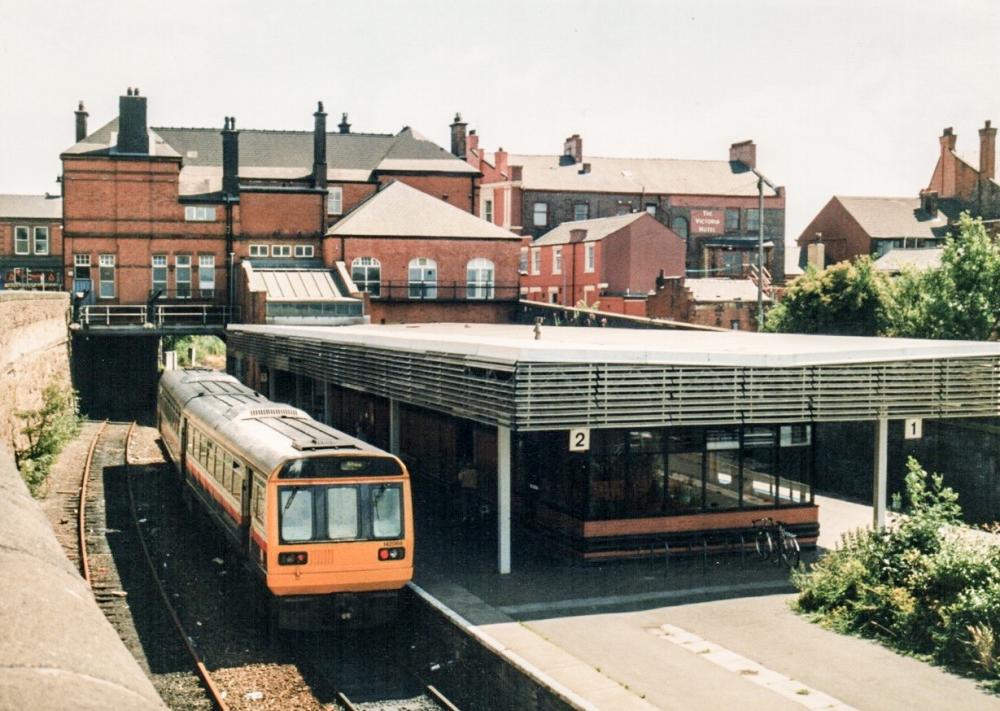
(772, 539)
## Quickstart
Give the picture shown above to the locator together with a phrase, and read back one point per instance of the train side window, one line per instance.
(296, 509)
(227, 471)
(236, 485)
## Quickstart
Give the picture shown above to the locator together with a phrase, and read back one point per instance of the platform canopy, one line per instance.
(562, 377)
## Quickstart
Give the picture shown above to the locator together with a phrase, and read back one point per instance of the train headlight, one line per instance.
(293, 558)
(391, 553)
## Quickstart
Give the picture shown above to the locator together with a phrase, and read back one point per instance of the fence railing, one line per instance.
(159, 316)
(441, 291)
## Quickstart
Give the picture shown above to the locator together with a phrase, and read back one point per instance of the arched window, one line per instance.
(423, 275)
(366, 273)
(480, 278)
(680, 226)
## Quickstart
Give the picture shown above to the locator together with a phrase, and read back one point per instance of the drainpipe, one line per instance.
(761, 182)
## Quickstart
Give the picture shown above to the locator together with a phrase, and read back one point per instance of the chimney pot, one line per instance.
(744, 152)
(343, 126)
(572, 150)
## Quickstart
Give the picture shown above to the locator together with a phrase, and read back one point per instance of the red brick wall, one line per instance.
(7, 235)
(430, 312)
(263, 214)
(452, 257)
(843, 237)
(633, 256)
(354, 193)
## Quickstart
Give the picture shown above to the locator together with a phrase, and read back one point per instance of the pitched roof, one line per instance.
(634, 175)
(296, 285)
(716, 290)
(398, 210)
(285, 155)
(887, 217)
(36, 207)
(597, 228)
(896, 260)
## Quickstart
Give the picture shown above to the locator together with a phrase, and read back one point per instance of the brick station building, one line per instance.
(166, 214)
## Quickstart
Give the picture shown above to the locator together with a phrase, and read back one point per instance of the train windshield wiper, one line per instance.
(290, 500)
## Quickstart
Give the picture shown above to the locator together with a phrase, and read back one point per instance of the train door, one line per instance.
(247, 510)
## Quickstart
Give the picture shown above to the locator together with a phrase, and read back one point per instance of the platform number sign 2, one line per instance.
(913, 428)
(579, 439)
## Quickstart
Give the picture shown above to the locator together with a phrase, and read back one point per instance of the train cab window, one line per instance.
(342, 511)
(387, 513)
(295, 505)
(326, 467)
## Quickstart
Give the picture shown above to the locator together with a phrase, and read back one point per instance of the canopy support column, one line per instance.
(503, 500)
(394, 426)
(881, 475)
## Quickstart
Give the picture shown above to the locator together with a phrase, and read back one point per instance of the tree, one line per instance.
(847, 299)
(959, 300)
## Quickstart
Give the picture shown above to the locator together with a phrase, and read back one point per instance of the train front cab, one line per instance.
(340, 548)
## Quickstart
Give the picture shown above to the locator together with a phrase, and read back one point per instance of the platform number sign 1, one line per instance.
(913, 428)
(579, 439)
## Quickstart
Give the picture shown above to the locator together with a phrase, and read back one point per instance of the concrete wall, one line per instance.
(33, 352)
(58, 651)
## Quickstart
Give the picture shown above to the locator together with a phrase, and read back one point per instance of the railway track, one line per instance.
(156, 581)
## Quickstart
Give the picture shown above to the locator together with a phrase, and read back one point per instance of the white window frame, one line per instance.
(259, 250)
(43, 231)
(304, 251)
(753, 216)
(335, 201)
(81, 260)
(206, 276)
(182, 265)
(540, 214)
(158, 261)
(557, 260)
(199, 213)
(25, 239)
(488, 210)
(106, 261)
(371, 278)
(480, 278)
(424, 286)
(536, 260)
(281, 251)
(589, 257)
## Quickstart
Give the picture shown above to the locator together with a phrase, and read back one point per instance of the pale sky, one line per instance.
(841, 97)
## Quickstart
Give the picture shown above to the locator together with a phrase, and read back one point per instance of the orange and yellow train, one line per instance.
(323, 520)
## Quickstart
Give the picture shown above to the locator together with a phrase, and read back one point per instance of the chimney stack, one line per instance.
(230, 157)
(319, 147)
(577, 235)
(987, 152)
(133, 136)
(81, 122)
(343, 125)
(947, 140)
(572, 150)
(500, 161)
(745, 152)
(516, 173)
(458, 136)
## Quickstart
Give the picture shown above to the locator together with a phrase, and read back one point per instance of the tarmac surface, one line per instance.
(681, 634)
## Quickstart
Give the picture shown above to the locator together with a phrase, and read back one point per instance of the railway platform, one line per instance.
(683, 634)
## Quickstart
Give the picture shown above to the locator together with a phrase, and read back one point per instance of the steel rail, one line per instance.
(81, 519)
(202, 670)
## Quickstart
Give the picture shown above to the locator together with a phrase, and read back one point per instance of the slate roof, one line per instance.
(634, 175)
(597, 228)
(896, 260)
(285, 155)
(398, 210)
(889, 217)
(33, 207)
(713, 290)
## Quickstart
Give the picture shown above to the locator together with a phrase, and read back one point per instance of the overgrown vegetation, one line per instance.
(47, 430)
(210, 352)
(927, 585)
(958, 300)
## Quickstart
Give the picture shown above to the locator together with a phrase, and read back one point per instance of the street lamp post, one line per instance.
(761, 182)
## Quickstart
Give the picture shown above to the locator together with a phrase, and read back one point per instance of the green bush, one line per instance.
(207, 349)
(47, 430)
(926, 585)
